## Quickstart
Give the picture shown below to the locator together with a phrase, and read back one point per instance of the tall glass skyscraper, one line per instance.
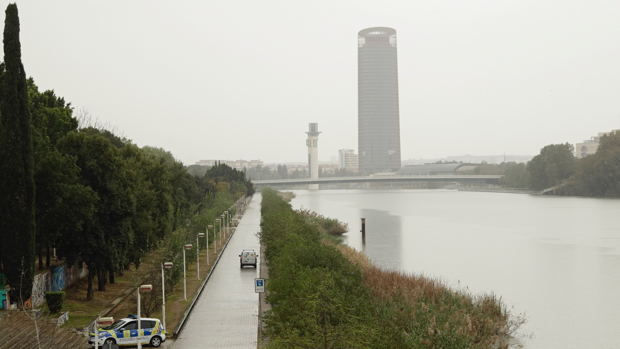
(377, 101)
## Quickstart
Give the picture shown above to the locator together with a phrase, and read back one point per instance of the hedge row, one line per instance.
(318, 297)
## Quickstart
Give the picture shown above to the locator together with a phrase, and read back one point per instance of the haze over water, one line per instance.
(556, 259)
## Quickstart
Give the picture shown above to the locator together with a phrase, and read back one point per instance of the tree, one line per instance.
(599, 174)
(62, 205)
(516, 176)
(17, 226)
(184, 192)
(147, 229)
(283, 171)
(554, 164)
(236, 179)
(103, 242)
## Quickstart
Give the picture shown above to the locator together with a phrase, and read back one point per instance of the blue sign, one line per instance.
(259, 285)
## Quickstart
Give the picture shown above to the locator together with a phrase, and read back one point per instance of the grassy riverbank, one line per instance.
(330, 296)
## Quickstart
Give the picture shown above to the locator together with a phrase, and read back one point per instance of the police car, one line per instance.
(125, 332)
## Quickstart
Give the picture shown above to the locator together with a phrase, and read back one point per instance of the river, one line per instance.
(554, 259)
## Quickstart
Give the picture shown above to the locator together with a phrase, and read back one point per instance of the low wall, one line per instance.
(56, 280)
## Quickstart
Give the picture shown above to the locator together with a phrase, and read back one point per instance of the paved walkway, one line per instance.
(226, 314)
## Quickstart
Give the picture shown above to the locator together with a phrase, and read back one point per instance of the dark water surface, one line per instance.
(556, 259)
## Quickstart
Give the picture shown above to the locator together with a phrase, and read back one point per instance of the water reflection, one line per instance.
(383, 237)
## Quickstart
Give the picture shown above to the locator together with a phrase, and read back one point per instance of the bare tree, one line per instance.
(86, 120)
(149, 301)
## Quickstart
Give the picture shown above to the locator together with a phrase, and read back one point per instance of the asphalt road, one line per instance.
(226, 314)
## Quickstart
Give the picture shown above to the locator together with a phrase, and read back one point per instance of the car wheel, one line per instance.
(109, 341)
(240, 265)
(155, 341)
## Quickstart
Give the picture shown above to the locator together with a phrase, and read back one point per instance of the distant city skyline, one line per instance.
(231, 80)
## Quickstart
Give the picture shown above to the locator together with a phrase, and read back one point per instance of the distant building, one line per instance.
(328, 169)
(313, 152)
(490, 159)
(472, 159)
(342, 159)
(378, 115)
(435, 169)
(236, 164)
(589, 146)
(347, 160)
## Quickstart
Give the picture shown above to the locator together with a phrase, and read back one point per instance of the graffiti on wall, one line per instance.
(40, 285)
(58, 278)
(63, 318)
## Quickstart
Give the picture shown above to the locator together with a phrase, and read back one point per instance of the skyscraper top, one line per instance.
(377, 37)
(313, 129)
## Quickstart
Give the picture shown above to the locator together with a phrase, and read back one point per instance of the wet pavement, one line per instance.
(226, 314)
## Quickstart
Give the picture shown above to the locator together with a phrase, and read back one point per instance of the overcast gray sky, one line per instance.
(242, 79)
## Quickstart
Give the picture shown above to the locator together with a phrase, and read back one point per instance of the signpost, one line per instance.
(259, 285)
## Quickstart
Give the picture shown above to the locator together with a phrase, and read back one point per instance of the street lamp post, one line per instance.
(101, 321)
(200, 235)
(225, 223)
(231, 215)
(141, 288)
(217, 221)
(166, 265)
(186, 247)
(208, 227)
(221, 225)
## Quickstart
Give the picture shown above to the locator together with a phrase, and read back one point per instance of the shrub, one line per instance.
(323, 224)
(55, 300)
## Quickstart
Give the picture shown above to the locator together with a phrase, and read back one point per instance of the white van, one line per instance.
(248, 257)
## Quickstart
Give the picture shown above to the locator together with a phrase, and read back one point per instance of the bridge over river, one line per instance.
(462, 179)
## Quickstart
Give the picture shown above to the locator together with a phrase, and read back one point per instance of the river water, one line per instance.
(554, 259)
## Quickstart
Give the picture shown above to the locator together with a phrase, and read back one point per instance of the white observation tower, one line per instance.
(313, 153)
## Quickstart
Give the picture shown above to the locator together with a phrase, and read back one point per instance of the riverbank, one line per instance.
(499, 190)
(322, 293)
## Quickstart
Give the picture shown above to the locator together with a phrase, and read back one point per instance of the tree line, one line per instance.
(95, 197)
(557, 166)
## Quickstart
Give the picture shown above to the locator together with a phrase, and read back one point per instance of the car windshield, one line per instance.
(115, 325)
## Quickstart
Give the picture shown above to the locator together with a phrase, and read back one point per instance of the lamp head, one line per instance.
(102, 321)
(146, 287)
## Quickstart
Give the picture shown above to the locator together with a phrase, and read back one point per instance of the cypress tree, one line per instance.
(17, 219)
